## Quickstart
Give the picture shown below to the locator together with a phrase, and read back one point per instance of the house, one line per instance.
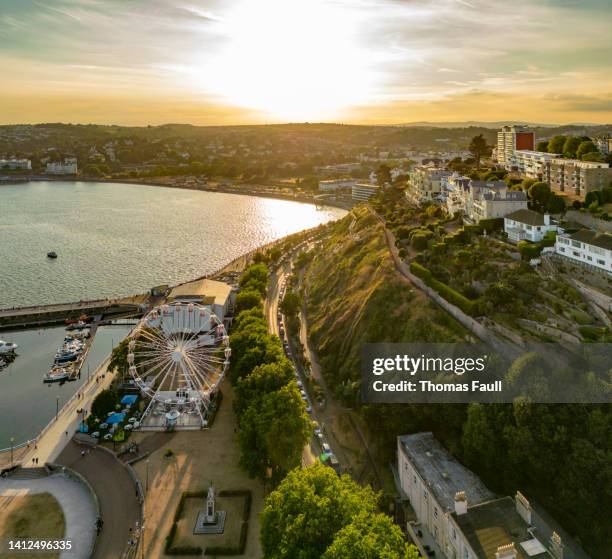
(67, 167)
(527, 225)
(457, 517)
(454, 192)
(336, 184)
(492, 199)
(425, 183)
(585, 247)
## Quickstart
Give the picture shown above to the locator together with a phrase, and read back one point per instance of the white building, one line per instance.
(529, 163)
(14, 164)
(336, 184)
(459, 518)
(604, 145)
(425, 184)
(67, 167)
(492, 199)
(512, 138)
(586, 247)
(454, 192)
(216, 295)
(527, 225)
(362, 192)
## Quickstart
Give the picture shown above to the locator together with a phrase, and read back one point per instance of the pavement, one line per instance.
(76, 502)
(58, 434)
(120, 509)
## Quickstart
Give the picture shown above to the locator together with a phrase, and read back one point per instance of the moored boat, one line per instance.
(7, 347)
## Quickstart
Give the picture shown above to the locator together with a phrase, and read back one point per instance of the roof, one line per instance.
(528, 217)
(602, 240)
(490, 525)
(202, 288)
(444, 475)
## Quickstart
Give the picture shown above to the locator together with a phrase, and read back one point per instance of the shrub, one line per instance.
(529, 250)
(169, 452)
(491, 224)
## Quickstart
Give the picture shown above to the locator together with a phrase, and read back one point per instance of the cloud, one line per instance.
(587, 103)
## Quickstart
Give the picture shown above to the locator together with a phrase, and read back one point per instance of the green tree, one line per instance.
(586, 147)
(310, 506)
(273, 433)
(542, 146)
(555, 145)
(250, 348)
(370, 537)
(571, 146)
(539, 194)
(478, 148)
(256, 277)
(263, 380)
(103, 403)
(290, 305)
(118, 360)
(383, 175)
(248, 299)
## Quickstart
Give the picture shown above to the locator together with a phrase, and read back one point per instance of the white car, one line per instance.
(300, 383)
(326, 448)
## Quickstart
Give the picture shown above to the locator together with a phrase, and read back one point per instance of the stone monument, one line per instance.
(210, 521)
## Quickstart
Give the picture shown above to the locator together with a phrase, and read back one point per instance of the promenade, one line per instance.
(56, 435)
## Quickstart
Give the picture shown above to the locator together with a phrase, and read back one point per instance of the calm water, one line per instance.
(120, 239)
(26, 403)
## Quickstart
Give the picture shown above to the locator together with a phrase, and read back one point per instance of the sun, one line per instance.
(293, 60)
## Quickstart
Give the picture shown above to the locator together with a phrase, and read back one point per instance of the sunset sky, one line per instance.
(260, 61)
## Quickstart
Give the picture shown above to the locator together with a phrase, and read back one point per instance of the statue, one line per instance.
(211, 515)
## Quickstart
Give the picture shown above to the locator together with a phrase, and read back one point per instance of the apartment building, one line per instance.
(530, 164)
(492, 199)
(587, 248)
(66, 167)
(362, 192)
(575, 178)
(457, 517)
(511, 139)
(425, 183)
(14, 164)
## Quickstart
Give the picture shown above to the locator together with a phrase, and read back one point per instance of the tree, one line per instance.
(273, 433)
(478, 148)
(571, 146)
(310, 506)
(586, 147)
(290, 305)
(263, 380)
(593, 156)
(250, 348)
(383, 175)
(310, 183)
(371, 537)
(118, 360)
(256, 277)
(539, 193)
(248, 299)
(542, 146)
(555, 145)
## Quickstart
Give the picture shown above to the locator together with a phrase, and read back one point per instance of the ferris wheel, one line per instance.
(178, 355)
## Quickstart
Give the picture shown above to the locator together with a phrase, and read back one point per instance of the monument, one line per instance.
(210, 521)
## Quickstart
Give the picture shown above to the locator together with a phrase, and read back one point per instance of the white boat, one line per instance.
(57, 374)
(7, 347)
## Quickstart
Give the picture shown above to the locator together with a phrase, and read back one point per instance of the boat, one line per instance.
(52, 254)
(57, 374)
(65, 356)
(7, 347)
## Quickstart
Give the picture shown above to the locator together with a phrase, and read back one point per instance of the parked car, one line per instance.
(326, 448)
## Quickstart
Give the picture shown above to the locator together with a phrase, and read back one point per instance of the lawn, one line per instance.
(37, 517)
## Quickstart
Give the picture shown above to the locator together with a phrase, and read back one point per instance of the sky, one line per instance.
(211, 62)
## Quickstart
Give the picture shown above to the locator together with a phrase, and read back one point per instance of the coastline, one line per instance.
(201, 188)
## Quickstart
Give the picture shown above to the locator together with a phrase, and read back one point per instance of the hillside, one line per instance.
(558, 455)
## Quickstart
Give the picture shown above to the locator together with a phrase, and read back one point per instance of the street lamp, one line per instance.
(12, 441)
(56, 407)
(147, 479)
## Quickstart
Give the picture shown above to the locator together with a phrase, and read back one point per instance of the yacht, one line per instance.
(7, 347)
(57, 374)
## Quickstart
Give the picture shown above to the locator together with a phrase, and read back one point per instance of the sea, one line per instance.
(111, 240)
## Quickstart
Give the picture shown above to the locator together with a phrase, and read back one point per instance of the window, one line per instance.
(577, 254)
(561, 249)
(589, 258)
(576, 244)
(601, 262)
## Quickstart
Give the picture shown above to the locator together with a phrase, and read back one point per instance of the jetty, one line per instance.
(48, 315)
